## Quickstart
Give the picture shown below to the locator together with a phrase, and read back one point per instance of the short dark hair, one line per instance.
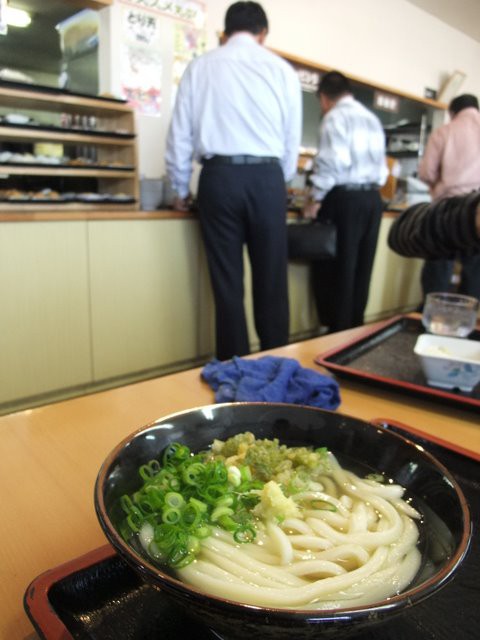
(463, 102)
(245, 16)
(333, 85)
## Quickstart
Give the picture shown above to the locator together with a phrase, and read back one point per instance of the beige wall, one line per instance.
(390, 42)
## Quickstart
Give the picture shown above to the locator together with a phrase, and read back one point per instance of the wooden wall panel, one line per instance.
(44, 310)
(145, 294)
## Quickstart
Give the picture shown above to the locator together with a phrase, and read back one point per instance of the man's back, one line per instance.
(352, 147)
(241, 85)
(366, 139)
(238, 111)
(451, 164)
(239, 99)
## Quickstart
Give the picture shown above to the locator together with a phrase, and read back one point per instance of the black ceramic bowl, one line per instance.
(445, 530)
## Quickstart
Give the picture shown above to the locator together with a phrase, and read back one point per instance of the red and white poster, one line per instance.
(158, 33)
(141, 61)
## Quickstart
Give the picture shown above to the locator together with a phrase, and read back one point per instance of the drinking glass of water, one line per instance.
(450, 314)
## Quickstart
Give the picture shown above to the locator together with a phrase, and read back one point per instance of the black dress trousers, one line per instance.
(341, 285)
(238, 205)
(437, 276)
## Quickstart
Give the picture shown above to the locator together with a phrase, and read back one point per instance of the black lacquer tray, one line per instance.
(383, 356)
(99, 597)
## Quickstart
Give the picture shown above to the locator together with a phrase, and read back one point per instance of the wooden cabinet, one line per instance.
(90, 304)
(45, 341)
(65, 151)
(93, 304)
(145, 296)
(96, 303)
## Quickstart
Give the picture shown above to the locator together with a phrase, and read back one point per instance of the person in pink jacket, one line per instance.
(451, 167)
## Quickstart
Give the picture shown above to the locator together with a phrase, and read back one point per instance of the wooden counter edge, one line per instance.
(159, 214)
(66, 216)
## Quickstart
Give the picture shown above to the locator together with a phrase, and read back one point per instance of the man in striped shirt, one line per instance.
(349, 170)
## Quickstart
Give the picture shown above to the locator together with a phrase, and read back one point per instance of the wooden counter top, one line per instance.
(159, 214)
(56, 216)
(51, 456)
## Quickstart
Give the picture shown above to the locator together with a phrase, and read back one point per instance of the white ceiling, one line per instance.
(463, 15)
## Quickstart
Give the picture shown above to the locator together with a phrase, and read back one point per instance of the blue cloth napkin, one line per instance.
(270, 379)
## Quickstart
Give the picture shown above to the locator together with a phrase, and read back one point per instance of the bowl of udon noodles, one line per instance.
(277, 521)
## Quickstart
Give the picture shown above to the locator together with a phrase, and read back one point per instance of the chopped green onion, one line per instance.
(182, 497)
(149, 470)
(193, 544)
(201, 506)
(174, 499)
(323, 505)
(155, 496)
(175, 452)
(218, 473)
(193, 474)
(376, 477)
(245, 533)
(226, 501)
(218, 512)
(192, 514)
(126, 503)
(245, 473)
(135, 519)
(227, 523)
(181, 559)
(203, 532)
(171, 515)
(164, 535)
(212, 492)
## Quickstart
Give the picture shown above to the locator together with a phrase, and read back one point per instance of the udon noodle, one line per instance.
(344, 541)
(363, 552)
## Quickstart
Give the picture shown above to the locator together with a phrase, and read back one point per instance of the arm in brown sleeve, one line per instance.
(438, 230)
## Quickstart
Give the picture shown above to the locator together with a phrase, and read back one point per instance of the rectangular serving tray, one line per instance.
(383, 356)
(99, 597)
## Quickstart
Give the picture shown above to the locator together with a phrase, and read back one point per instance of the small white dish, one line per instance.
(449, 363)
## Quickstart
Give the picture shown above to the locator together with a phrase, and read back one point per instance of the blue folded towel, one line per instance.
(270, 379)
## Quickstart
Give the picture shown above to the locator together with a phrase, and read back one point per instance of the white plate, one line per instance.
(16, 118)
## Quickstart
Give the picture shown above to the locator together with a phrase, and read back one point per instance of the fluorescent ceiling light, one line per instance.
(17, 17)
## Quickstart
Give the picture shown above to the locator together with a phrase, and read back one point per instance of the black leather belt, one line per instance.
(240, 160)
(351, 186)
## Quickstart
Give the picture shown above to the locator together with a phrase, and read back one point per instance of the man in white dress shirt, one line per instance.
(238, 112)
(349, 170)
